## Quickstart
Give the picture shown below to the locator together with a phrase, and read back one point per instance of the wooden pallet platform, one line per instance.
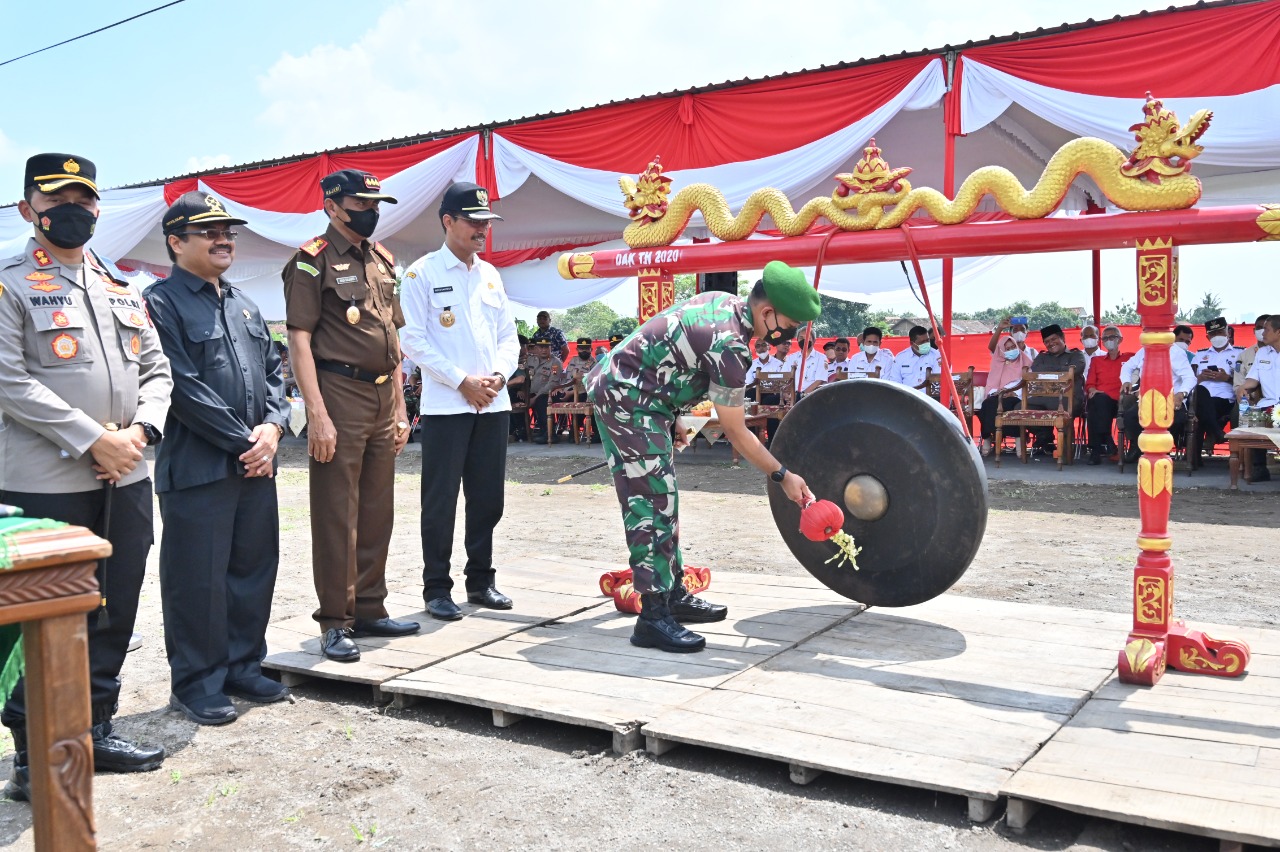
(543, 588)
(951, 695)
(1195, 754)
(583, 670)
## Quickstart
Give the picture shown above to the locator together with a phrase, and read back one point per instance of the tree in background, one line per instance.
(1124, 313)
(840, 318)
(1210, 307)
(624, 326)
(525, 329)
(1038, 316)
(594, 319)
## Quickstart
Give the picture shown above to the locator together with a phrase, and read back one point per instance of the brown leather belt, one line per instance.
(351, 372)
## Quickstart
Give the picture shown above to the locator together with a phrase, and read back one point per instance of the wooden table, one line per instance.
(757, 418)
(1242, 439)
(52, 584)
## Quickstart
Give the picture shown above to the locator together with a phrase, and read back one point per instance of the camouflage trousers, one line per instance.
(637, 444)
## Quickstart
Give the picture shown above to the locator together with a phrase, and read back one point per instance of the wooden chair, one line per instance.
(1061, 385)
(520, 405)
(964, 389)
(781, 384)
(574, 407)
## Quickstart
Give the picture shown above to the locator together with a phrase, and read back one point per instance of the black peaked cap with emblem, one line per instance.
(51, 172)
(541, 338)
(1216, 324)
(584, 341)
(468, 200)
(196, 208)
(355, 183)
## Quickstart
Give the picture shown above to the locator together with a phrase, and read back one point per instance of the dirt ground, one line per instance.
(330, 770)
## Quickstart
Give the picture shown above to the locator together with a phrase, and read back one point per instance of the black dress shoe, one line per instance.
(691, 609)
(490, 597)
(1260, 475)
(209, 710)
(19, 786)
(444, 609)
(655, 628)
(385, 627)
(114, 754)
(338, 646)
(1095, 457)
(1131, 454)
(258, 689)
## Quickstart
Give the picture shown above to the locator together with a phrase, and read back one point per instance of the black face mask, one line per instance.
(776, 335)
(67, 226)
(363, 222)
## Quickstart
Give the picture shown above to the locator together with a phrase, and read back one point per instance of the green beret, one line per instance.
(789, 293)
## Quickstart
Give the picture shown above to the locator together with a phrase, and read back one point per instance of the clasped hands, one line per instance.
(257, 460)
(480, 391)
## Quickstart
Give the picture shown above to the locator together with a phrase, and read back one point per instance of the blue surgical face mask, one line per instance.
(1011, 354)
(923, 348)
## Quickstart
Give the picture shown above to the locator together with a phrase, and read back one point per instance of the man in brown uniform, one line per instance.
(342, 313)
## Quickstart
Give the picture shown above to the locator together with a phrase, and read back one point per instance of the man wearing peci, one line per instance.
(460, 330)
(220, 548)
(342, 312)
(86, 388)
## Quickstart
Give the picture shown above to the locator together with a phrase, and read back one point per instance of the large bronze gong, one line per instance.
(911, 485)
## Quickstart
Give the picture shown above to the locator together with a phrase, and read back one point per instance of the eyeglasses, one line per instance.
(212, 234)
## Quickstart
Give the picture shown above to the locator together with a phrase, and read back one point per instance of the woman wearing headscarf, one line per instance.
(1003, 377)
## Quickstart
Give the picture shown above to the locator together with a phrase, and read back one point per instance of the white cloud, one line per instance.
(207, 162)
(13, 156)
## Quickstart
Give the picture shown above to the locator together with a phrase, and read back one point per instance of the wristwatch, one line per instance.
(502, 379)
(151, 433)
(281, 428)
(779, 474)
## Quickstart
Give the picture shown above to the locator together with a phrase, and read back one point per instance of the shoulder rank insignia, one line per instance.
(41, 257)
(316, 246)
(118, 290)
(46, 287)
(309, 269)
(386, 255)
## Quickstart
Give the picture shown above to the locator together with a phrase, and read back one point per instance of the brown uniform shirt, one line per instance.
(327, 276)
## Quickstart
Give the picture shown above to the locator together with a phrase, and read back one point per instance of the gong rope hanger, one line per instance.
(808, 329)
(92, 32)
(937, 335)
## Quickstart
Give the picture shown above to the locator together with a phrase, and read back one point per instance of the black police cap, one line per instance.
(51, 172)
(1216, 324)
(355, 183)
(468, 200)
(196, 208)
(541, 339)
(584, 341)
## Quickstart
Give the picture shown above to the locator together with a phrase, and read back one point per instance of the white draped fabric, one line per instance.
(792, 171)
(1242, 134)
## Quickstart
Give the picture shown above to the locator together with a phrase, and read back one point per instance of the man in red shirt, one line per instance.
(1103, 391)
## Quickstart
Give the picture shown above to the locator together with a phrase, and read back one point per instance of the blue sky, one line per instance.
(216, 82)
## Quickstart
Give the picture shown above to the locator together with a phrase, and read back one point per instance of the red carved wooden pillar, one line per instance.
(1158, 640)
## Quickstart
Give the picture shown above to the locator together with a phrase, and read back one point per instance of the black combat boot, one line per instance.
(655, 628)
(691, 609)
(19, 788)
(113, 754)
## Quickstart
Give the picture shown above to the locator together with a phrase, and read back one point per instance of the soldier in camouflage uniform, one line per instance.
(546, 378)
(693, 351)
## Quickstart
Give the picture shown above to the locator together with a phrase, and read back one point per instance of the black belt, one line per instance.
(351, 372)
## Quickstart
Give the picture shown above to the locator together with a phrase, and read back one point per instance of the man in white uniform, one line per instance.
(873, 355)
(459, 329)
(1184, 381)
(912, 366)
(1213, 398)
(815, 366)
(1264, 377)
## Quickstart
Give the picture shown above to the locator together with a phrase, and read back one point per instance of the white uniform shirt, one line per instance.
(481, 341)
(1266, 370)
(815, 368)
(1184, 381)
(912, 369)
(883, 359)
(1224, 359)
(1088, 358)
(769, 365)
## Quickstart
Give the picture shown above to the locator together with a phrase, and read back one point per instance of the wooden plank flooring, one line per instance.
(1195, 754)
(951, 695)
(583, 670)
(544, 589)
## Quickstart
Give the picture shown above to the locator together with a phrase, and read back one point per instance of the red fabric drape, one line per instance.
(510, 257)
(174, 189)
(723, 126)
(1198, 52)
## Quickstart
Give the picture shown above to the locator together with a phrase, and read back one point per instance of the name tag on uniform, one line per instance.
(442, 290)
(348, 279)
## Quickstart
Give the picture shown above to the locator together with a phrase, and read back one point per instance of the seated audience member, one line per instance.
(829, 350)
(1262, 385)
(1213, 398)
(614, 340)
(601, 352)
(1182, 337)
(1089, 345)
(1102, 389)
(1184, 381)
(579, 365)
(546, 378)
(912, 366)
(782, 354)
(872, 355)
(815, 366)
(1056, 358)
(1003, 377)
(1019, 333)
(1245, 361)
(842, 366)
(762, 363)
(518, 383)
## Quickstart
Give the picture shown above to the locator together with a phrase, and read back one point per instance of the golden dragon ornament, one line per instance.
(1155, 176)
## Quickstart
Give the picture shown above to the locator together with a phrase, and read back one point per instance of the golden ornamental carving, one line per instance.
(1149, 598)
(1155, 407)
(1155, 479)
(1140, 653)
(1190, 659)
(1269, 222)
(875, 196)
(577, 265)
